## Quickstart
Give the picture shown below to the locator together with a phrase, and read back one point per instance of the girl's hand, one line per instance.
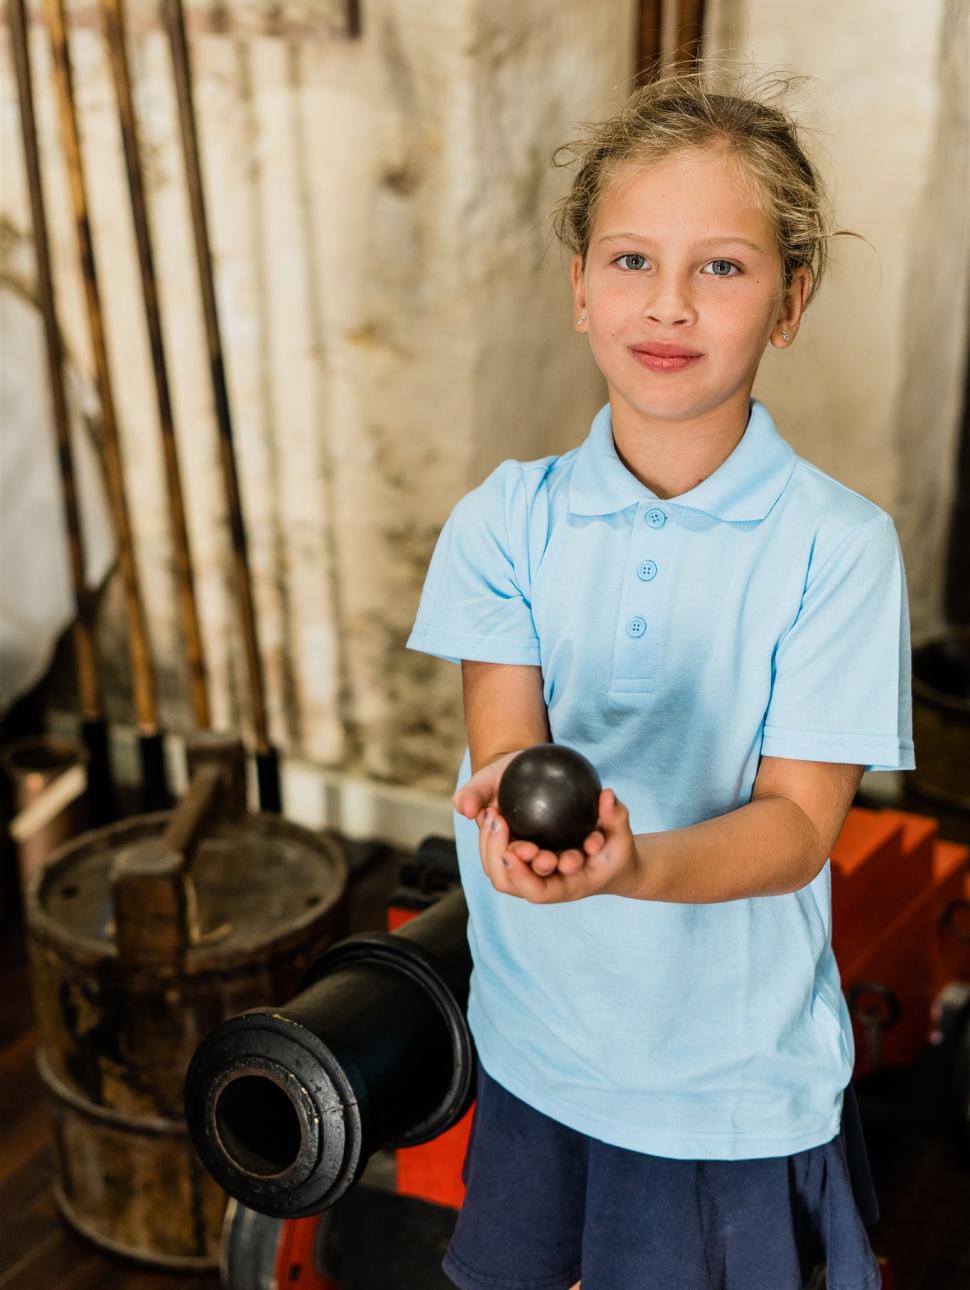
(480, 792)
(609, 862)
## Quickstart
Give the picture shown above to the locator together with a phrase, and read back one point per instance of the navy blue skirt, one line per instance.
(546, 1206)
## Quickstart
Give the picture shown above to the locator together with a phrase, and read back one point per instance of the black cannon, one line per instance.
(286, 1105)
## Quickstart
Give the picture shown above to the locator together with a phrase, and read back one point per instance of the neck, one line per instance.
(671, 457)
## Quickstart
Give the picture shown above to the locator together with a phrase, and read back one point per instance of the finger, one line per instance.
(467, 802)
(495, 872)
(613, 814)
(594, 843)
(571, 861)
(496, 841)
(526, 851)
(481, 789)
(484, 834)
(544, 863)
(523, 881)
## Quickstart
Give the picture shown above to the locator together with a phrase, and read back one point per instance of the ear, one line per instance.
(792, 307)
(579, 291)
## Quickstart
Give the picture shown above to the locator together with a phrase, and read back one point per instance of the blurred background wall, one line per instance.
(873, 391)
(397, 320)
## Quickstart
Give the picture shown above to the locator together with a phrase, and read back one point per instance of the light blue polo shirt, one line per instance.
(763, 612)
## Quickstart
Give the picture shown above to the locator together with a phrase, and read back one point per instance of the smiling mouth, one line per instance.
(659, 359)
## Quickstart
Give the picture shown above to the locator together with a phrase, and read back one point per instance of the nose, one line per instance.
(669, 302)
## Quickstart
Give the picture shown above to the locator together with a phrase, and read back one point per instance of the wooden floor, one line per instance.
(923, 1185)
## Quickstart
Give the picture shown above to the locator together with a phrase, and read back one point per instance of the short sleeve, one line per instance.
(841, 687)
(475, 602)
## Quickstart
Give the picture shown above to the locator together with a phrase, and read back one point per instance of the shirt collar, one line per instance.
(744, 487)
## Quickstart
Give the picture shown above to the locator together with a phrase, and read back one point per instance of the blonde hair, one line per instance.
(683, 111)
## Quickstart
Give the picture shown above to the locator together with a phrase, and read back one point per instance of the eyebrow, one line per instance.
(707, 241)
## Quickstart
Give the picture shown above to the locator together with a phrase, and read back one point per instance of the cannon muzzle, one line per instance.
(286, 1105)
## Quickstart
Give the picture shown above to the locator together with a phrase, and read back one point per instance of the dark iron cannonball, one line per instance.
(549, 794)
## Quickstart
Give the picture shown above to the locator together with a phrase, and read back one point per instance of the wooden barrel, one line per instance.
(143, 937)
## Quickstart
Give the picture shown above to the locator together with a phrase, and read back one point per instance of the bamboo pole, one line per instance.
(690, 32)
(687, 37)
(184, 578)
(648, 40)
(266, 756)
(154, 787)
(101, 796)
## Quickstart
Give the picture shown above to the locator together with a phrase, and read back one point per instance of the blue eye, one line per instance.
(631, 255)
(722, 269)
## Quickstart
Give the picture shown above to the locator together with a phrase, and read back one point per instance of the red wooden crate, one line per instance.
(952, 945)
(878, 867)
(907, 959)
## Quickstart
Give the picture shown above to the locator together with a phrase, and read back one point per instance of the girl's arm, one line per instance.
(504, 713)
(776, 843)
(504, 709)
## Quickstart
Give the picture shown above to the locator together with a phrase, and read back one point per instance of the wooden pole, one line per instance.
(185, 583)
(267, 764)
(101, 797)
(154, 786)
(648, 40)
(690, 33)
(688, 37)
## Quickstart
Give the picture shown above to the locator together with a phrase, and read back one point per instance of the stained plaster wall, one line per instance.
(397, 320)
(395, 314)
(871, 391)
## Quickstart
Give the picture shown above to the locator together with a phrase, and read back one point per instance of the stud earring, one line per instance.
(581, 319)
(785, 337)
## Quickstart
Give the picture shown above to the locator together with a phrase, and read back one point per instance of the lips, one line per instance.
(658, 357)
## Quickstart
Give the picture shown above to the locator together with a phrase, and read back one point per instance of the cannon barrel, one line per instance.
(286, 1105)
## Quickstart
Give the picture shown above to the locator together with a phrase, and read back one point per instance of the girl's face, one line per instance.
(682, 289)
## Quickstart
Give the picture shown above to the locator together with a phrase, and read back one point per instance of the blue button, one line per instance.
(646, 571)
(636, 627)
(655, 517)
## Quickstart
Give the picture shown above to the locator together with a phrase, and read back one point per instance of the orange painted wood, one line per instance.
(919, 836)
(871, 878)
(397, 917)
(866, 836)
(432, 1171)
(296, 1263)
(952, 949)
(906, 959)
(879, 866)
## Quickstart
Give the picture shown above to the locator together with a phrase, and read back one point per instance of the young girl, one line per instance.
(722, 630)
